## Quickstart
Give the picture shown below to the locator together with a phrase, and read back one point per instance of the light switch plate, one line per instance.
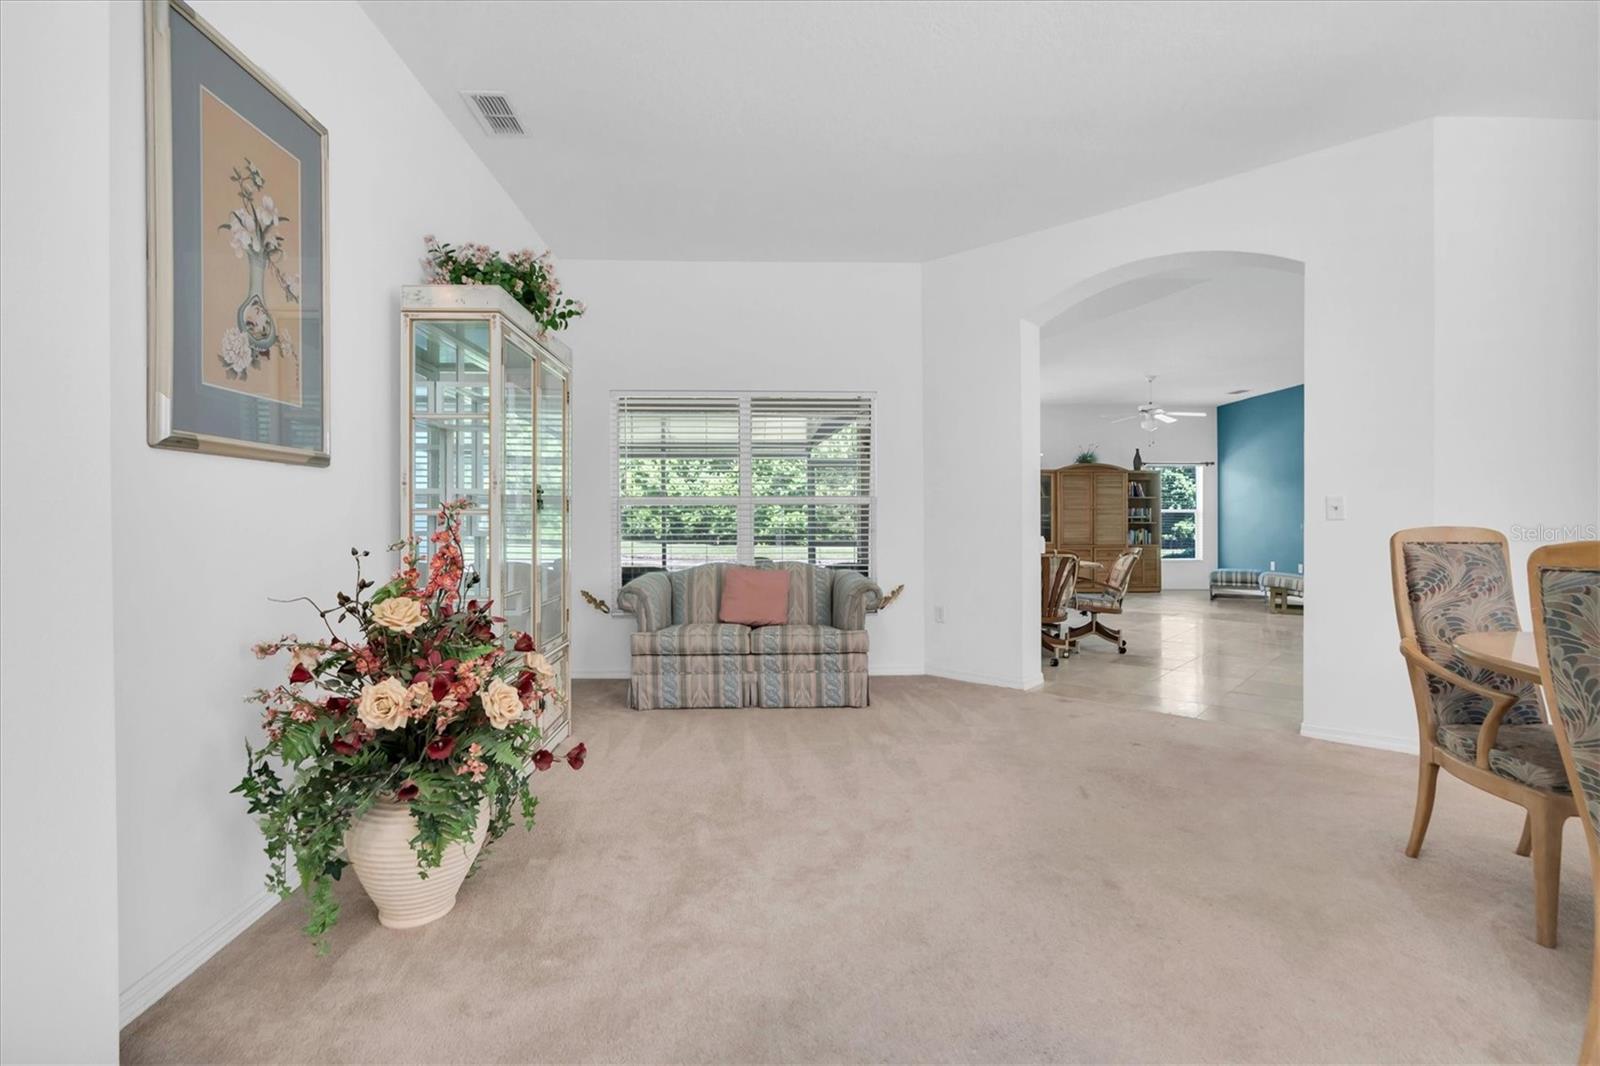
(938, 614)
(1335, 508)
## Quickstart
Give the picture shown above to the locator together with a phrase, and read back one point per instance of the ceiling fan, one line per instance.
(1150, 416)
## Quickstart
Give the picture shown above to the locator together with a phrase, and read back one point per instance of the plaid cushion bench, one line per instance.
(1244, 582)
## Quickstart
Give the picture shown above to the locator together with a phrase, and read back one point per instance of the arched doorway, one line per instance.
(1222, 335)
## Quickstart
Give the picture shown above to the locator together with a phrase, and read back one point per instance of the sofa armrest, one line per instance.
(853, 596)
(648, 598)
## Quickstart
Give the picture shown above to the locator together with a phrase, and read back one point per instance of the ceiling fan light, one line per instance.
(1149, 425)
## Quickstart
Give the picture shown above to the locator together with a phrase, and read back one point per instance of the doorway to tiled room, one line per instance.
(1171, 489)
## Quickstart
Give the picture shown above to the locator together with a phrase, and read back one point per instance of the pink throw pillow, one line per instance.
(752, 597)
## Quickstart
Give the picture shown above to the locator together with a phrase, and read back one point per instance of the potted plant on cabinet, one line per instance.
(410, 744)
(530, 279)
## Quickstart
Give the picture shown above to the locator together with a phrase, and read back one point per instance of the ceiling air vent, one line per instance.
(494, 114)
(1237, 392)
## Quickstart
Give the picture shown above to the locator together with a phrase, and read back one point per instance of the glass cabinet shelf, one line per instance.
(486, 417)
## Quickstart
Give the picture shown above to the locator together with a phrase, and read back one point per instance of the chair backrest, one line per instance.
(1564, 585)
(1122, 571)
(1451, 580)
(1058, 579)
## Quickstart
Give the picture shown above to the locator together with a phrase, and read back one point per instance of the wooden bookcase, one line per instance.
(1095, 510)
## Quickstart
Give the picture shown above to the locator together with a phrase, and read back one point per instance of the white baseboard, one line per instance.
(1381, 741)
(143, 993)
(994, 680)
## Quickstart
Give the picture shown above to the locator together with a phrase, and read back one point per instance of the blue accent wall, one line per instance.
(1261, 481)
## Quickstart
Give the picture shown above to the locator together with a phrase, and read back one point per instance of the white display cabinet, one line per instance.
(486, 416)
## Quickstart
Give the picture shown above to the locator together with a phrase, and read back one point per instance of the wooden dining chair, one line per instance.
(1095, 598)
(1058, 579)
(1564, 587)
(1483, 727)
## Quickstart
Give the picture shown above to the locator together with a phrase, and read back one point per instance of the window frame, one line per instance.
(745, 502)
(1197, 512)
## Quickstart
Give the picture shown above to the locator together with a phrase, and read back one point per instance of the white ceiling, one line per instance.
(788, 130)
(1202, 334)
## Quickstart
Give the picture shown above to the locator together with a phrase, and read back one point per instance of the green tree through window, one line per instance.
(743, 479)
(1180, 512)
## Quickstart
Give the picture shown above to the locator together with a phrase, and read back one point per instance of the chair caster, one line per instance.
(1122, 649)
(1055, 662)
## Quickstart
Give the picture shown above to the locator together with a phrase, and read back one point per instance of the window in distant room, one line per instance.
(1180, 512)
(742, 478)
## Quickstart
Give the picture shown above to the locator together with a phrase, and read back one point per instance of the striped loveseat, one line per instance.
(684, 657)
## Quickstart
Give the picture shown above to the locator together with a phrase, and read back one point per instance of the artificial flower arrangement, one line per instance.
(530, 279)
(434, 705)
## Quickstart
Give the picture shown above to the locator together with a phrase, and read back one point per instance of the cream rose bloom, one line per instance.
(385, 705)
(421, 696)
(501, 703)
(399, 613)
(540, 665)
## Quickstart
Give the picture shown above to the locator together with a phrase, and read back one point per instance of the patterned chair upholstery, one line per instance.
(1465, 587)
(1105, 597)
(684, 657)
(1479, 725)
(1564, 580)
(1058, 582)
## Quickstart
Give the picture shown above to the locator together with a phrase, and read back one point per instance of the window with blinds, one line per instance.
(742, 477)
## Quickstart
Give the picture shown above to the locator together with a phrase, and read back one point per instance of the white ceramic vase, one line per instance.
(379, 846)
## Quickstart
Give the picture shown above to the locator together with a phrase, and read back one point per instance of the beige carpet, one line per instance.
(956, 873)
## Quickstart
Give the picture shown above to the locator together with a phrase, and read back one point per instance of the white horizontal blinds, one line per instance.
(742, 478)
(811, 479)
(678, 465)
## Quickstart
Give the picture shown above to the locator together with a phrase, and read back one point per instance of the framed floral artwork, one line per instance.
(238, 251)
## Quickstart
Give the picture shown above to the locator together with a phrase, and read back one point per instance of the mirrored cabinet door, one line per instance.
(449, 437)
(485, 398)
(551, 505)
(515, 593)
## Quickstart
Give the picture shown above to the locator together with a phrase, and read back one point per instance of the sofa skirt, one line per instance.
(674, 681)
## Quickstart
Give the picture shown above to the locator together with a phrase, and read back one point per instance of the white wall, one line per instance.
(1067, 429)
(58, 873)
(1514, 285)
(202, 542)
(1362, 218)
(789, 327)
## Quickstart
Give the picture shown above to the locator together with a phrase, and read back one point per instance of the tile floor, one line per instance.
(1228, 660)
